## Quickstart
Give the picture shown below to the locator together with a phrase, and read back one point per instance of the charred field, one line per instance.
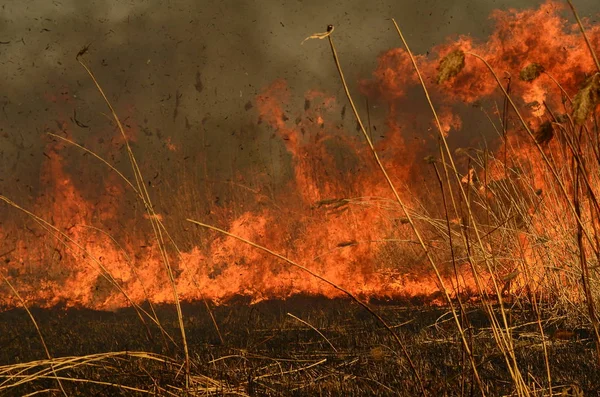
(443, 239)
(265, 350)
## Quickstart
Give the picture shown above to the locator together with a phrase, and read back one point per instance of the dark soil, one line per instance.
(264, 351)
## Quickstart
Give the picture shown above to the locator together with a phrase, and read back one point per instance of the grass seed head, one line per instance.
(545, 133)
(531, 72)
(378, 353)
(586, 99)
(451, 65)
(429, 159)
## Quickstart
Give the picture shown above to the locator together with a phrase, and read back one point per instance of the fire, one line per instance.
(335, 216)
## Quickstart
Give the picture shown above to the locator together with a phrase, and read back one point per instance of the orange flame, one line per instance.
(336, 216)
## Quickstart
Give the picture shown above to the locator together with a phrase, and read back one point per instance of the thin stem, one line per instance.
(315, 329)
(323, 279)
(37, 328)
(587, 41)
(399, 200)
(141, 187)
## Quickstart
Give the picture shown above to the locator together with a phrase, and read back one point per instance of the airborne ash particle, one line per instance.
(199, 86)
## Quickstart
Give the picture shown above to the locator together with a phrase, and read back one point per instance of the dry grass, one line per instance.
(533, 252)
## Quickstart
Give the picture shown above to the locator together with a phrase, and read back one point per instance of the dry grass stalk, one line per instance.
(315, 329)
(331, 283)
(160, 232)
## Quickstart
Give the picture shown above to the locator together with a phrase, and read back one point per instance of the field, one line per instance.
(381, 266)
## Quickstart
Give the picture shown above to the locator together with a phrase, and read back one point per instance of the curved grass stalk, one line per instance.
(314, 329)
(326, 281)
(587, 41)
(501, 335)
(406, 213)
(141, 187)
(39, 332)
(71, 142)
(67, 241)
(159, 222)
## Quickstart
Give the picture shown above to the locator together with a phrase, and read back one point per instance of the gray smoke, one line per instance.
(188, 69)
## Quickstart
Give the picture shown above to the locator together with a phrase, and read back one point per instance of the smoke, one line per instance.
(236, 123)
(183, 74)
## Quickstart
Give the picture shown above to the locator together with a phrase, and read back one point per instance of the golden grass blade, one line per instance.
(334, 285)
(37, 328)
(587, 41)
(67, 242)
(314, 329)
(149, 209)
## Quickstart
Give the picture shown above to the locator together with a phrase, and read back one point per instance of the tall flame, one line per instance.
(335, 216)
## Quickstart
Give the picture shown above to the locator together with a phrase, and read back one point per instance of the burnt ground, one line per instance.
(265, 351)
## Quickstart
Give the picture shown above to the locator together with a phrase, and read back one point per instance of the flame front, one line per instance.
(336, 215)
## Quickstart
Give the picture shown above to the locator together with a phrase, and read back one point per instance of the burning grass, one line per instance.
(503, 242)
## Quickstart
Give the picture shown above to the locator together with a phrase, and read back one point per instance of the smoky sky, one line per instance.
(187, 71)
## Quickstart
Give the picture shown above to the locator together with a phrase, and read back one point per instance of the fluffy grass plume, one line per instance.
(531, 72)
(451, 65)
(586, 99)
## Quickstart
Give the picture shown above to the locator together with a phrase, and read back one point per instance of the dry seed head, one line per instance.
(531, 72)
(378, 353)
(586, 99)
(429, 159)
(545, 133)
(451, 65)
(562, 118)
